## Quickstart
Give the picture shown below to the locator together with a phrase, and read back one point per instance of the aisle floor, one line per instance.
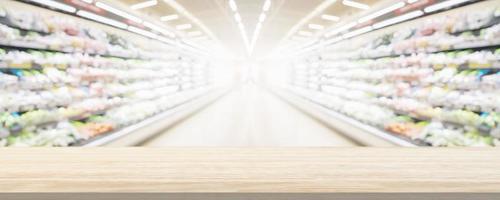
(249, 116)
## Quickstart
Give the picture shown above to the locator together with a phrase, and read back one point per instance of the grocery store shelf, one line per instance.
(243, 171)
(351, 128)
(29, 45)
(137, 133)
(476, 45)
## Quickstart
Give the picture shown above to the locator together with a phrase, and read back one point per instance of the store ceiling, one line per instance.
(280, 28)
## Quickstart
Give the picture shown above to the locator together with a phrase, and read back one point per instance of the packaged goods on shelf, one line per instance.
(64, 84)
(436, 84)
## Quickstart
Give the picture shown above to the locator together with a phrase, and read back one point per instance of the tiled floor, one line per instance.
(249, 117)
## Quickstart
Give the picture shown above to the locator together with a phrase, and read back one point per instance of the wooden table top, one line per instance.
(250, 170)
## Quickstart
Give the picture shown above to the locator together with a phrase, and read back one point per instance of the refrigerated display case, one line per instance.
(431, 81)
(66, 81)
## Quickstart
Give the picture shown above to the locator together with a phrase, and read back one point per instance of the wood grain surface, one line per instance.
(249, 170)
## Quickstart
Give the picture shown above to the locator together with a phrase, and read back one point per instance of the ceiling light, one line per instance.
(87, 1)
(169, 18)
(262, 17)
(330, 18)
(355, 4)
(142, 32)
(357, 32)
(443, 5)
(237, 17)
(101, 19)
(412, 1)
(316, 26)
(340, 29)
(118, 12)
(194, 33)
(158, 28)
(233, 6)
(184, 26)
(382, 12)
(398, 19)
(267, 6)
(259, 26)
(144, 4)
(305, 33)
(56, 5)
(241, 26)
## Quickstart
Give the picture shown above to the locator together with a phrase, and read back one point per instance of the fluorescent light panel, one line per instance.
(101, 19)
(330, 18)
(355, 4)
(169, 18)
(118, 12)
(342, 28)
(382, 12)
(241, 26)
(56, 5)
(398, 19)
(88, 1)
(262, 17)
(267, 6)
(443, 5)
(144, 4)
(184, 26)
(316, 26)
(158, 28)
(237, 17)
(142, 32)
(412, 1)
(233, 5)
(357, 32)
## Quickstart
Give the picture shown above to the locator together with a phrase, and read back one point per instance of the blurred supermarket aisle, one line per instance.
(249, 116)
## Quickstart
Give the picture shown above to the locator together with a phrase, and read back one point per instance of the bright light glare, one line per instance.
(262, 17)
(330, 18)
(144, 4)
(316, 27)
(382, 12)
(142, 32)
(398, 19)
(267, 6)
(357, 32)
(342, 28)
(355, 4)
(184, 26)
(305, 33)
(169, 18)
(237, 17)
(118, 12)
(158, 28)
(233, 5)
(444, 5)
(101, 19)
(57, 5)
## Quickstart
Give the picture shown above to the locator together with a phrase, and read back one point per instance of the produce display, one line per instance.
(436, 84)
(63, 84)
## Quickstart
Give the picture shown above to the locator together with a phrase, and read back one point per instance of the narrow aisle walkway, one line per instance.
(249, 116)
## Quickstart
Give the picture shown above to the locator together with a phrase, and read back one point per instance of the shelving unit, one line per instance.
(61, 89)
(438, 89)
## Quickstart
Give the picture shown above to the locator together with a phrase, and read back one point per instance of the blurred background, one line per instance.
(249, 73)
